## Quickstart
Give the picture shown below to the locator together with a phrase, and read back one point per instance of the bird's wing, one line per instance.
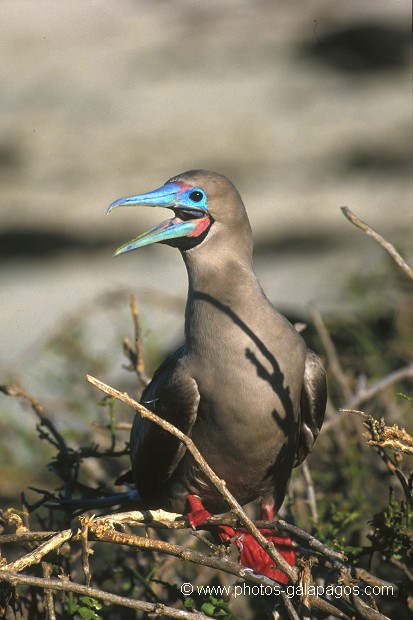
(313, 405)
(173, 395)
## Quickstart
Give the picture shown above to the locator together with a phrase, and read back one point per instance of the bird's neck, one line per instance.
(220, 289)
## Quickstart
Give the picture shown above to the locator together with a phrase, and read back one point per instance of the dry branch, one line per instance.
(135, 353)
(156, 609)
(382, 435)
(386, 245)
(365, 394)
(36, 556)
(101, 529)
(332, 356)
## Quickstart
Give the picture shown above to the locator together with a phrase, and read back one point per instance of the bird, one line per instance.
(244, 386)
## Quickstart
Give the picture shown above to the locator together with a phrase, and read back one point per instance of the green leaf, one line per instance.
(189, 603)
(91, 602)
(208, 609)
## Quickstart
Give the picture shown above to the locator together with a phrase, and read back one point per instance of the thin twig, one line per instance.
(219, 484)
(367, 393)
(135, 353)
(34, 557)
(330, 349)
(377, 429)
(289, 607)
(310, 491)
(25, 536)
(18, 392)
(312, 542)
(390, 249)
(367, 612)
(47, 571)
(86, 550)
(117, 426)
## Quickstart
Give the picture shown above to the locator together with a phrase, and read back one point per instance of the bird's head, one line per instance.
(200, 201)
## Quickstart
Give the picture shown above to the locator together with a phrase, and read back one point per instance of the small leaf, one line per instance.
(208, 609)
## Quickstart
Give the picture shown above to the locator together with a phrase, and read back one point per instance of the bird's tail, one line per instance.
(93, 503)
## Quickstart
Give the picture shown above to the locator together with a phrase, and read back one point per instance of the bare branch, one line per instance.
(47, 571)
(101, 530)
(382, 435)
(330, 349)
(157, 609)
(367, 612)
(135, 353)
(34, 557)
(18, 392)
(393, 436)
(310, 491)
(24, 536)
(86, 550)
(289, 607)
(367, 393)
(390, 249)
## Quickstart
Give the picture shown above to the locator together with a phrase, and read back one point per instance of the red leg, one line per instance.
(267, 512)
(197, 513)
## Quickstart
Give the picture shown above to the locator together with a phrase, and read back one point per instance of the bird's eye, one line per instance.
(196, 196)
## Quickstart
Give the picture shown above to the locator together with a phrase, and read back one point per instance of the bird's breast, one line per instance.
(248, 402)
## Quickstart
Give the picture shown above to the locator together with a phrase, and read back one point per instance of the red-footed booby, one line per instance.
(243, 386)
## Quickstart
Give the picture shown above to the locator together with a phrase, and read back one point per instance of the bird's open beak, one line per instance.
(188, 220)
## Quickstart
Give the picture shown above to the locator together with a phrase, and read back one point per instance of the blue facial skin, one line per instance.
(188, 203)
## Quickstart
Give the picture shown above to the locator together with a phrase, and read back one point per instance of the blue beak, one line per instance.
(166, 196)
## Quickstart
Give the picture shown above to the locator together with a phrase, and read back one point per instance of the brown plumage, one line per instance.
(244, 386)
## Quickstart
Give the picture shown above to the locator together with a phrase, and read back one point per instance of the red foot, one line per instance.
(197, 514)
(251, 554)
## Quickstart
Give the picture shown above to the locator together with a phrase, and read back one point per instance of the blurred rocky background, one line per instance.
(305, 106)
